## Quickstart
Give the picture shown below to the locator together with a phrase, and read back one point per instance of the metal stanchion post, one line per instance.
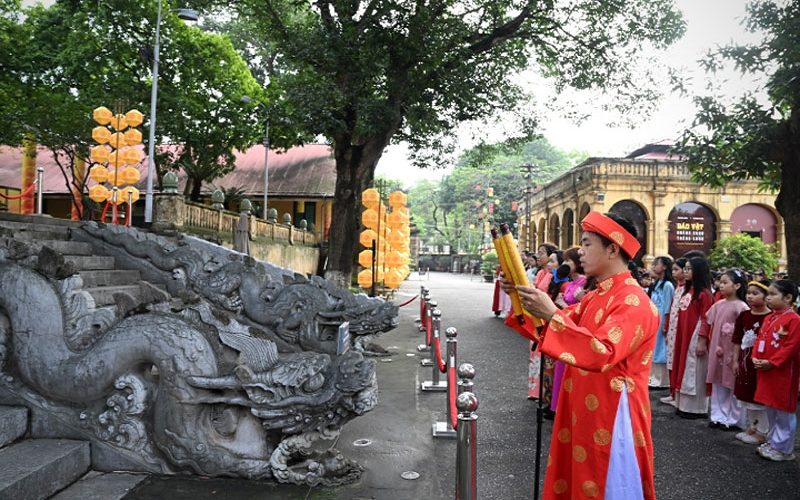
(423, 290)
(436, 357)
(466, 449)
(423, 320)
(426, 347)
(39, 189)
(445, 429)
(466, 372)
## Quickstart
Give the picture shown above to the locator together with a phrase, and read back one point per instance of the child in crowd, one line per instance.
(716, 340)
(671, 323)
(775, 358)
(744, 335)
(690, 366)
(660, 293)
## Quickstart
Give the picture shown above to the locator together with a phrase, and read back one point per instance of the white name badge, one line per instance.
(760, 346)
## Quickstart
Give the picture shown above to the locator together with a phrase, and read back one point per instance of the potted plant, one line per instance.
(489, 266)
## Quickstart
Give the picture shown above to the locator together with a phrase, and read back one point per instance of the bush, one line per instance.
(490, 263)
(743, 251)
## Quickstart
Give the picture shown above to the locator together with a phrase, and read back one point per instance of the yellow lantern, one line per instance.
(98, 193)
(365, 258)
(134, 118)
(393, 279)
(396, 220)
(394, 259)
(367, 237)
(102, 115)
(126, 192)
(115, 177)
(119, 122)
(370, 218)
(370, 198)
(129, 175)
(99, 174)
(116, 158)
(131, 156)
(397, 199)
(365, 278)
(99, 154)
(132, 137)
(379, 274)
(101, 134)
(117, 140)
(396, 239)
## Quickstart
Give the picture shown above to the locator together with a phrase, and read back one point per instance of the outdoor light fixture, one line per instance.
(186, 15)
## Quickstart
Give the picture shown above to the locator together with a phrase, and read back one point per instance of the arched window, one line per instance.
(634, 213)
(692, 226)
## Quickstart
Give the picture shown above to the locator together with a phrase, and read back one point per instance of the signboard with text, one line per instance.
(691, 227)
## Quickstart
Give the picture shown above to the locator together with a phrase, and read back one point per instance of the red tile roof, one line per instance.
(306, 171)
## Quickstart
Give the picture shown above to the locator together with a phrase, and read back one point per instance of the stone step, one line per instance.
(104, 295)
(101, 486)
(63, 247)
(90, 262)
(36, 469)
(31, 230)
(13, 423)
(109, 277)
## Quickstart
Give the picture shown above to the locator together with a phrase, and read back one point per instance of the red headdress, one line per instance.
(596, 222)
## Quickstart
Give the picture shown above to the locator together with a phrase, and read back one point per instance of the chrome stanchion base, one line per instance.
(426, 362)
(443, 430)
(429, 386)
(418, 320)
(423, 348)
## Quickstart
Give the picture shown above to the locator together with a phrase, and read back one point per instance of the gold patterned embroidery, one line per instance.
(602, 437)
(637, 338)
(647, 357)
(592, 403)
(615, 335)
(610, 301)
(564, 435)
(617, 237)
(597, 346)
(560, 486)
(590, 489)
(638, 439)
(567, 358)
(579, 454)
(557, 323)
(567, 385)
(632, 300)
(617, 383)
(583, 372)
(631, 281)
(574, 418)
(630, 384)
(607, 367)
(604, 286)
(598, 316)
(549, 459)
(654, 309)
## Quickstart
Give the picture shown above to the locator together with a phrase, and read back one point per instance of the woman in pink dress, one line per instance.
(671, 322)
(543, 278)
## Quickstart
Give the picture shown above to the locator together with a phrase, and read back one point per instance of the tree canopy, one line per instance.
(753, 137)
(744, 252)
(366, 73)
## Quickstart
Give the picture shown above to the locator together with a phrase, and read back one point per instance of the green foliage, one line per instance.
(750, 138)
(744, 252)
(489, 263)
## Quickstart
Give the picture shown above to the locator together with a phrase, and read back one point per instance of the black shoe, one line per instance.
(716, 425)
(549, 414)
(688, 415)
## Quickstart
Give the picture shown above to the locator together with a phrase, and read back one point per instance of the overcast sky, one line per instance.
(709, 23)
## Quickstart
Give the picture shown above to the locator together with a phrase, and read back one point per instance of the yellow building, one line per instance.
(672, 213)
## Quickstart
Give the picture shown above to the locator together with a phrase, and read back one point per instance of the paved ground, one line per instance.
(692, 461)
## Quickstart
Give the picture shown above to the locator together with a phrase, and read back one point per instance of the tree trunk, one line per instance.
(789, 208)
(355, 171)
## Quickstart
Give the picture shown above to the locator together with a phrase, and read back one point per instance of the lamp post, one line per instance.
(528, 170)
(186, 15)
(249, 100)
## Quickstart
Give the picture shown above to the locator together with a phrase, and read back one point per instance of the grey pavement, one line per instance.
(691, 461)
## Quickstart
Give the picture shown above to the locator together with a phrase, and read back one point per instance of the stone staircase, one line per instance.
(33, 465)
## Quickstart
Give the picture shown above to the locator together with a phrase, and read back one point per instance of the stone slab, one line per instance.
(35, 469)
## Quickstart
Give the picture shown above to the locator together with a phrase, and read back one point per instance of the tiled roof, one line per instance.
(301, 172)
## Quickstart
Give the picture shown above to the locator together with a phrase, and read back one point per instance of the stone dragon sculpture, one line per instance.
(236, 374)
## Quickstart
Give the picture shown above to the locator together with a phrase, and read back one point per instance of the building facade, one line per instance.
(673, 214)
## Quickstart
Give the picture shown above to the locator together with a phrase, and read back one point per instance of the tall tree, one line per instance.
(751, 139)
(62, 61)
(366, 73)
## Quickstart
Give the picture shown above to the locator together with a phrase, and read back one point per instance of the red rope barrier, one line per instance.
(412, 299)
(26, 193)
(428, 330)
(105, 210)
(451, 396)
(439, 360)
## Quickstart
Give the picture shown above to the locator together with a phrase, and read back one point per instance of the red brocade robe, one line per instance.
(607, 342)
(778, 342)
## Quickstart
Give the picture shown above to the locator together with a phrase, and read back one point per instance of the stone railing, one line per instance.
(175, 210)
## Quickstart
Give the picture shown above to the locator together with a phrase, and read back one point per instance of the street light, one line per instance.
(250, 100)
(186, 15)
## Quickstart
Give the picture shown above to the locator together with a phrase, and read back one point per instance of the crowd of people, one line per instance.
(727, 346)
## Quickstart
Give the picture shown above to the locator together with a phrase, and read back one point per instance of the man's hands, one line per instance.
(533, 300)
